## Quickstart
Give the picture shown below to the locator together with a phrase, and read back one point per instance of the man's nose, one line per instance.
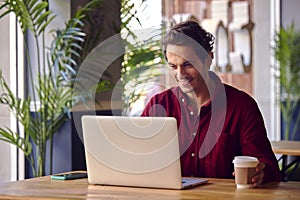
(181, 71)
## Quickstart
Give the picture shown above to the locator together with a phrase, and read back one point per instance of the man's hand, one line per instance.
(258, 178)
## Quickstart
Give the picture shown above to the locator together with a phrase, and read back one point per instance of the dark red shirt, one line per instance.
(230, 124)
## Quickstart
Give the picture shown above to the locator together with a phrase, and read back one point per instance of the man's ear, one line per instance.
(208, 59)
(211, 54)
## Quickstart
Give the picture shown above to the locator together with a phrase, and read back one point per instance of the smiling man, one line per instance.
(215, 121)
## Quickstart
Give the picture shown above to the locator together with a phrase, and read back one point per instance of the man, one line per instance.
(215, 121)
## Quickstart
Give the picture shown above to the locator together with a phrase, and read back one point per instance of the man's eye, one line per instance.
(187, 64)
(173, 66)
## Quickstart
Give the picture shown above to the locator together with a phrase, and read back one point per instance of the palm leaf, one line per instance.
(31, 14)
(7, 135)
(20, 109)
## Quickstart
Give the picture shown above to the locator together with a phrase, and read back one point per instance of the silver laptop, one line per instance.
(134, 151)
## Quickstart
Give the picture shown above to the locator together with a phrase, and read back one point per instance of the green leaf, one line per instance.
(287, 51)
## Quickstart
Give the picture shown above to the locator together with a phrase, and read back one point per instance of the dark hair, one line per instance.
(190, 33)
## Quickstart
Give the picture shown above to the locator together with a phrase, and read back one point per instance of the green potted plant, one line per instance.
(52, 95)
(287, 51)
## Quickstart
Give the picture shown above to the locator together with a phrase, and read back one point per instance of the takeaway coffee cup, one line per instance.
(244, 168)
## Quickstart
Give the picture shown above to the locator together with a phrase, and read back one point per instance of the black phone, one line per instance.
(69, 176)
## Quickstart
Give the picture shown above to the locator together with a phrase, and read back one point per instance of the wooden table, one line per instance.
(287, 148)
(45, 188)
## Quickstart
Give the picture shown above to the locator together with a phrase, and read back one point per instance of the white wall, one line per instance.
(264, 17)
(5, 165)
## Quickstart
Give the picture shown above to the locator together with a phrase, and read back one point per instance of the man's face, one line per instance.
(187, 68)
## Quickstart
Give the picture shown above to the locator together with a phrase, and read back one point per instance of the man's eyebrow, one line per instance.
(184, 63)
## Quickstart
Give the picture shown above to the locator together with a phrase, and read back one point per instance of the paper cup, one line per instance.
(244, 168)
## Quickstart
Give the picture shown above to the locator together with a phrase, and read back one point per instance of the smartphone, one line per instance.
(69, 176)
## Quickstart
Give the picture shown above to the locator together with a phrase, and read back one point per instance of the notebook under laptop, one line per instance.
(134, 151)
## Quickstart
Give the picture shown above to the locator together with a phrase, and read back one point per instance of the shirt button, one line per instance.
(191, 113)
(182, 100)
(193, 154)
(194, 134)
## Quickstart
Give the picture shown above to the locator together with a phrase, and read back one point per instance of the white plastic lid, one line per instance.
(245, 161)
